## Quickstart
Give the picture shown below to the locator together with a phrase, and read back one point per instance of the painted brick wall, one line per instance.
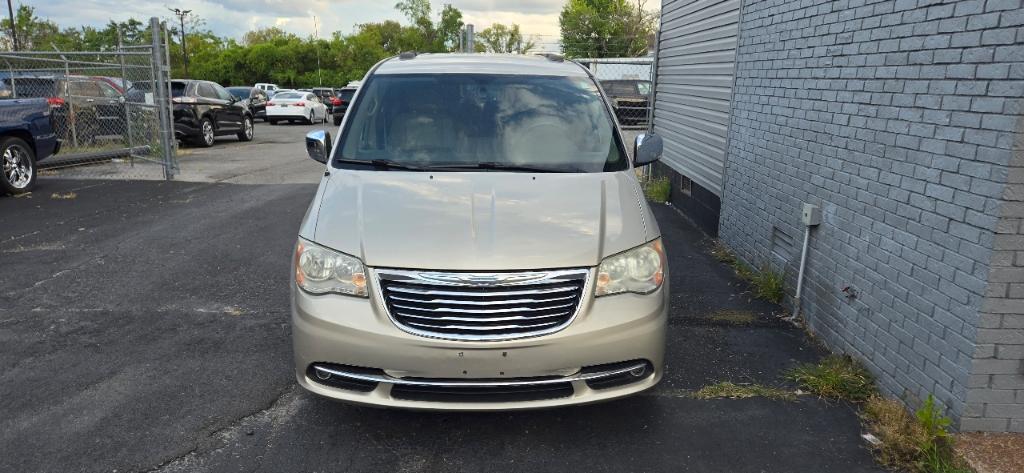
(995, 397)
(898, 117)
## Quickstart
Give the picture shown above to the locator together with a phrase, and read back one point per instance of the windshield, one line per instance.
(346, 94)
(288, 95)
(551, 123)
(240, 92)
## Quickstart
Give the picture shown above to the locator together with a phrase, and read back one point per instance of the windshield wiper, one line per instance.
(381, 163)
(501, 167)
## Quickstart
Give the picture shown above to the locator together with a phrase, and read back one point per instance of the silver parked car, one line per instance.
(479, 242)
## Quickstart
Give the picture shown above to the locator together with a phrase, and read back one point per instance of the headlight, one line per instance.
(640, 270)
(320, 270)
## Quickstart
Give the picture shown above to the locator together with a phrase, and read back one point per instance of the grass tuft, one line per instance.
(768, 284)
(63, 195)
(658, 189)
(836, 377)
(918, 444)
(729, 390)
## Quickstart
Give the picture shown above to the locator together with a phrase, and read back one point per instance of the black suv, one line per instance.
(630, 98)
(204, 110)
(327, 96)
(255, 99)
(344, 97)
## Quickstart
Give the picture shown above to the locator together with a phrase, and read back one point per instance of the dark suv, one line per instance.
(204, 110)
(630, 98)
(344, 97)
(327, 96)
(84, 108)
(255, 99)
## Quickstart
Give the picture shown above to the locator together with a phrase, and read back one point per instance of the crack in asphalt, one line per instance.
(221, 438)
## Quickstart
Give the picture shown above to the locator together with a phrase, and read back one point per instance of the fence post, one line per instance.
(124, 100)
(170, 108)
(159, 95)
(72, 117)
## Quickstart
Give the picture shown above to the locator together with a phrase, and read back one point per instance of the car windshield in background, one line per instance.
(240, 92)
(471, 121)
(346, 94)
(288, 95)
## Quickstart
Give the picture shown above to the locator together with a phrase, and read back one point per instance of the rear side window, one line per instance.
(347, 94)
(28, 87)
(178, 89)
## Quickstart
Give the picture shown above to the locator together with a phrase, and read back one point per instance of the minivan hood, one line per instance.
(480, 221)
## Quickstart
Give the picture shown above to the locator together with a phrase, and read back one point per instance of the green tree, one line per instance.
(272, 34)
(449, 29)
(606, 28)
(499, 38)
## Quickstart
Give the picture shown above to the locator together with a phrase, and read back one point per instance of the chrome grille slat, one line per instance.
(483, 319)
(485, 294)
(482, 306)
(483, 311)
(474, 302)
(481, 328)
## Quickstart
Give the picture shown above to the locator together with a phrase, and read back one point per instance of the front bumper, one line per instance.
(352, 335)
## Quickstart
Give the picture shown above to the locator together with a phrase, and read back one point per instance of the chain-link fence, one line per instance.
(110, 109)
(627, 82)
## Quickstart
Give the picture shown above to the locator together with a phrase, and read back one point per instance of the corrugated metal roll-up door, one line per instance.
(696, 59)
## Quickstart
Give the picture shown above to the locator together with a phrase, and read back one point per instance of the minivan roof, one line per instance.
(481, 64)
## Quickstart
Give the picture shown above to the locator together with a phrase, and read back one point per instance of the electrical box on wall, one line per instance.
(811, 215)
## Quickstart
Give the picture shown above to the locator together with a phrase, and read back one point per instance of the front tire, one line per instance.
(337, 121)
(18, 166)
(272, 122)
(247, 129)
(206, 133)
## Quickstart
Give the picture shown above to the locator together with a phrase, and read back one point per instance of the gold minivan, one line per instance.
(479, 241)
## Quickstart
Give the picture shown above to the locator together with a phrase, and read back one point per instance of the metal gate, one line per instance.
(111, 109)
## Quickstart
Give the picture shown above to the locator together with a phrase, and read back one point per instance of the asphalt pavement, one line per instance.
(144, 327)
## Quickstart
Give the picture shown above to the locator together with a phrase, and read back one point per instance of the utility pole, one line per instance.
(316, 40)
(181, 14)
(14, 29)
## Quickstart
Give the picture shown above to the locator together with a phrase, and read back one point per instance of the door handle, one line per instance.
(90, 100)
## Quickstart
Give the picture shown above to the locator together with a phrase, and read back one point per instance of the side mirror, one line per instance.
(318, 145)
(647, 149)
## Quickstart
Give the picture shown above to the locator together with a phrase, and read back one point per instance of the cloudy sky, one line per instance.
(233, 18)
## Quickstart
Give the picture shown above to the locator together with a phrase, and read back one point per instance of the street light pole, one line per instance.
(181, 14)
(14, 29)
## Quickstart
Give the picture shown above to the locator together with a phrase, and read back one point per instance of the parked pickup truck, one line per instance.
(26, 137)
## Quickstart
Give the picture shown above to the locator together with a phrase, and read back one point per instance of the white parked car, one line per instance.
(296, 106)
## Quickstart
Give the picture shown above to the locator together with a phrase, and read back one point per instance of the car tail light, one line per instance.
(271, 104)
(300, 104)
(335, 101)
(55, 101)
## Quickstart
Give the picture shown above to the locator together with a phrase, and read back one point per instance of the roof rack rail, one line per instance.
(407, 55)
(554, 57)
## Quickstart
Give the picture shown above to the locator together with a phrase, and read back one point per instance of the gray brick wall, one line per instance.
(995, 395)
(898, 117)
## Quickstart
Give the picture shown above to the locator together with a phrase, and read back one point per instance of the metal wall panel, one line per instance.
(696, 61)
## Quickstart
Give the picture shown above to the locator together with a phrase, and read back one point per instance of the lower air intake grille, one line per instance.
(482, 306)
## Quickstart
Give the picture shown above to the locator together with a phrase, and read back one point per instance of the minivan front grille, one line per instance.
(482, 306)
